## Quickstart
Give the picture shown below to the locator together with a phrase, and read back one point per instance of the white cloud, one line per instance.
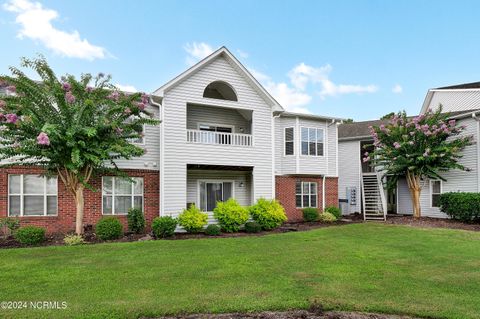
(397, 89)
(36, 24)
(197, 51)
(303, 74)
(289, 97)
(126, 88)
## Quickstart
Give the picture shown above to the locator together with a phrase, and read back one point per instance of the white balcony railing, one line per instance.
(219, 138)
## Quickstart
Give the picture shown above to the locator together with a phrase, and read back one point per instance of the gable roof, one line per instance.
(223, 51)
(471, 85)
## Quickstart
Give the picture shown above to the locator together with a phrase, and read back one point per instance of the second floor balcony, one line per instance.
(219, 126)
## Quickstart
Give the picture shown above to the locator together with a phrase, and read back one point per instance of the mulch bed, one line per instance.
(428, 222)
(296, 314)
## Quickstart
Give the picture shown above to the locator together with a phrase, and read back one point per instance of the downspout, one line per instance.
(477, 119)
(273, 154)
(161, 193)
(323, 194)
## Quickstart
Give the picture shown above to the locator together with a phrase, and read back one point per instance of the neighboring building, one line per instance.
(360, 185)
(221, 135)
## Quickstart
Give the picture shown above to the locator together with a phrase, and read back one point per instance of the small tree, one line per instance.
(417, 148)
(72, 128)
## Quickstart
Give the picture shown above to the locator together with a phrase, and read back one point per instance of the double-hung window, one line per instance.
(119, 195)
(289, 136)
(211, 192)
(32, 195)
(306, 194)
(435, 191)
(312, 141)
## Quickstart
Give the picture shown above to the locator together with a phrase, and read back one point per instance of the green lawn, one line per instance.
(365, 267)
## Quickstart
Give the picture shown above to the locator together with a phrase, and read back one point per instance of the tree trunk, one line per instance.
(413, 182)
(80, 204)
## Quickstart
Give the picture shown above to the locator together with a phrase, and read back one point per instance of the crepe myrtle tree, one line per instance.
(72, 128)
(418, 148)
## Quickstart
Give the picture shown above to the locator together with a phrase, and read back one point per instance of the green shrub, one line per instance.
(9, 223)
(253, 227)
(461, 206)
(163, 227)
(192, 219)
(310, 214)
(213, 230)
(230, 215)
(136, 220)
(268, 213)
(327, 217)
(109, 228)
(335, 211)
(73, 240)
(30, 235)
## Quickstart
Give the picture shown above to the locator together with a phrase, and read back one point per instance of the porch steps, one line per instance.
(374, 203)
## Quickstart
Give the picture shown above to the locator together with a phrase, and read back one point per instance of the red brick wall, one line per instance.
(65, 221)
(285, 193)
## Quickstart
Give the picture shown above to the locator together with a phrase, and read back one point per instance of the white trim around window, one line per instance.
(212, 181)
(306, 194)
(289, 140)
(119, 195)
(32, 195)
(434, 192)
(314, 138)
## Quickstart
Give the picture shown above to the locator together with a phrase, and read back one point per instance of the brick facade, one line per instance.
(285, 193)
(65, 220)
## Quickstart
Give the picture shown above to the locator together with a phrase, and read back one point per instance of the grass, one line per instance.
(362, 267)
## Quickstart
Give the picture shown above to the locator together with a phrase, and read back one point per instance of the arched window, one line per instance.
(220, 90)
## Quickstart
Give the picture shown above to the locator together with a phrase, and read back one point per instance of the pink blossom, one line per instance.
(451, 122)
(89, 89)
(66, 86)
(396, 145)
(127, 111)
(119, 130)
(114, 96)
(2, 104)
(412, 133)
(42, 139)
(144, 98)
(366, 159)
(12, 88)
(366, 154)
(11, 118)
(141, 106)
(69, 97)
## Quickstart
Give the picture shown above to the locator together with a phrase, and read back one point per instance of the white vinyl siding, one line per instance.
(306, 194)
(349, 170)
(289, 136)
(119, 195)
(150, 142)
(32, 195)
(178, 153)
(453, 101)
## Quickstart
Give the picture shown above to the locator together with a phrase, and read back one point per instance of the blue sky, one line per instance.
(357, 59)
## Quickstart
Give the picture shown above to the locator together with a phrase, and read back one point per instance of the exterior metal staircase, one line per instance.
(373, 197)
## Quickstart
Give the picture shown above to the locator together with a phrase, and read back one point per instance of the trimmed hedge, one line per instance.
(163, 227)
(461, 206)
(109, 228)
(213, 230)
(310, 214)
(136, 220)
(230, 215)
(335, 211)
(270, 214)
(30, 235)
(253, 227)
(192, 219)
